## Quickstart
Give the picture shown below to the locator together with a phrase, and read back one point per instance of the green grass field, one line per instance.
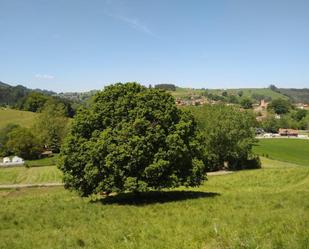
(22, 118)
(22, 175)
(266, 208)
(285, 149)
(48, 161)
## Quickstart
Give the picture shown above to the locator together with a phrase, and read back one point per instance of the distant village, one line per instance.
(259, 108)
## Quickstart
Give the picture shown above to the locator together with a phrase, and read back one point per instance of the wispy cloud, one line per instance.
(119, 11)
(44, 76)
(134, 23)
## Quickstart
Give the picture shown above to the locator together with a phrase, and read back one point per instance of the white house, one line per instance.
(6, 160)
(17, 160)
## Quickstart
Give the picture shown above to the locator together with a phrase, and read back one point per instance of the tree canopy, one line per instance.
(51, 125)
(246, 103)
(131, 139)
(23, 143)
(228, 135)
(280, 106)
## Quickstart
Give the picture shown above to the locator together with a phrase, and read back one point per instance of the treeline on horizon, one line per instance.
(23, 98)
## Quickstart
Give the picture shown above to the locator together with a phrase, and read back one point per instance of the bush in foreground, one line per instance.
(131, 139)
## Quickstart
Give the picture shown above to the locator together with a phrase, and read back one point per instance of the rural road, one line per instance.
(8, 186)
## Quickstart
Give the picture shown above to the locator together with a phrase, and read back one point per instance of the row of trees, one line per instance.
(36, 102)
(297, 119)
(133, 138)
(47, 133)
(228, 136)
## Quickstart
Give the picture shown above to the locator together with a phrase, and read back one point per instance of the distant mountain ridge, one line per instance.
(10, 95)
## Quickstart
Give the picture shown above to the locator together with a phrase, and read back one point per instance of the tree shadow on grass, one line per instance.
(154, 197)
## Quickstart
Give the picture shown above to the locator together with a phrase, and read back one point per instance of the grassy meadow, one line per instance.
(23, 118)
(266, 208)
(23, 175)
(47, 161)
(284, 149)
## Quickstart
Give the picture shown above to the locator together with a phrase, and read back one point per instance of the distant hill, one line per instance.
(78, 96)
(266, 93)
(296, 95)
(11, 95)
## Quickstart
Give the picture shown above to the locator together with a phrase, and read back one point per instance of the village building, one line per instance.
(17, 160)
(6, 160)
(302, 106)
(288, 132)
(261, 107)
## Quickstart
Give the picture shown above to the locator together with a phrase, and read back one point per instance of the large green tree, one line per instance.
(51, 125)
(246, 103)
(280, 106)
(131, 139)
(4, 137)
(23, 143)
(228, 136)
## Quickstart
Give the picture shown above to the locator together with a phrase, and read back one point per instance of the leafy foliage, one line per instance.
(131, 139)
(23, 143)
(26, 99)
(246, 103)
(4, 137)
(228, 135)
(51, 126)
(280, 106)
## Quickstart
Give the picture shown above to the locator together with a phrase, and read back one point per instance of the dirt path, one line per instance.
(219, 173)
(8, 186)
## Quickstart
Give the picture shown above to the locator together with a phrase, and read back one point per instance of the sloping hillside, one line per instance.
(245, 92)
(11, 95)
(296, 95)
(22, 118)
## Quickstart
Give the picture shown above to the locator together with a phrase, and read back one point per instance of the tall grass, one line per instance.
(22, 118)
(266, 208)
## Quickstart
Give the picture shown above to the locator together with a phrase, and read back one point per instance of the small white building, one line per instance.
(17, 160)
(6, 160)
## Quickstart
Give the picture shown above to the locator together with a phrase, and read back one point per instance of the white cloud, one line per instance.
(134, 23)
(44, 76)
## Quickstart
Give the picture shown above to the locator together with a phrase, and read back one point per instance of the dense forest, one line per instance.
(23, 98)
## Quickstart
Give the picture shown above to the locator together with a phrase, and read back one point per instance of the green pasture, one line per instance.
(23, 118)
(23, 175)
(47, 161)
(284, 149)
(266, 208)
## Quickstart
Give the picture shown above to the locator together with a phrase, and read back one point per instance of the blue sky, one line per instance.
(77, 45)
